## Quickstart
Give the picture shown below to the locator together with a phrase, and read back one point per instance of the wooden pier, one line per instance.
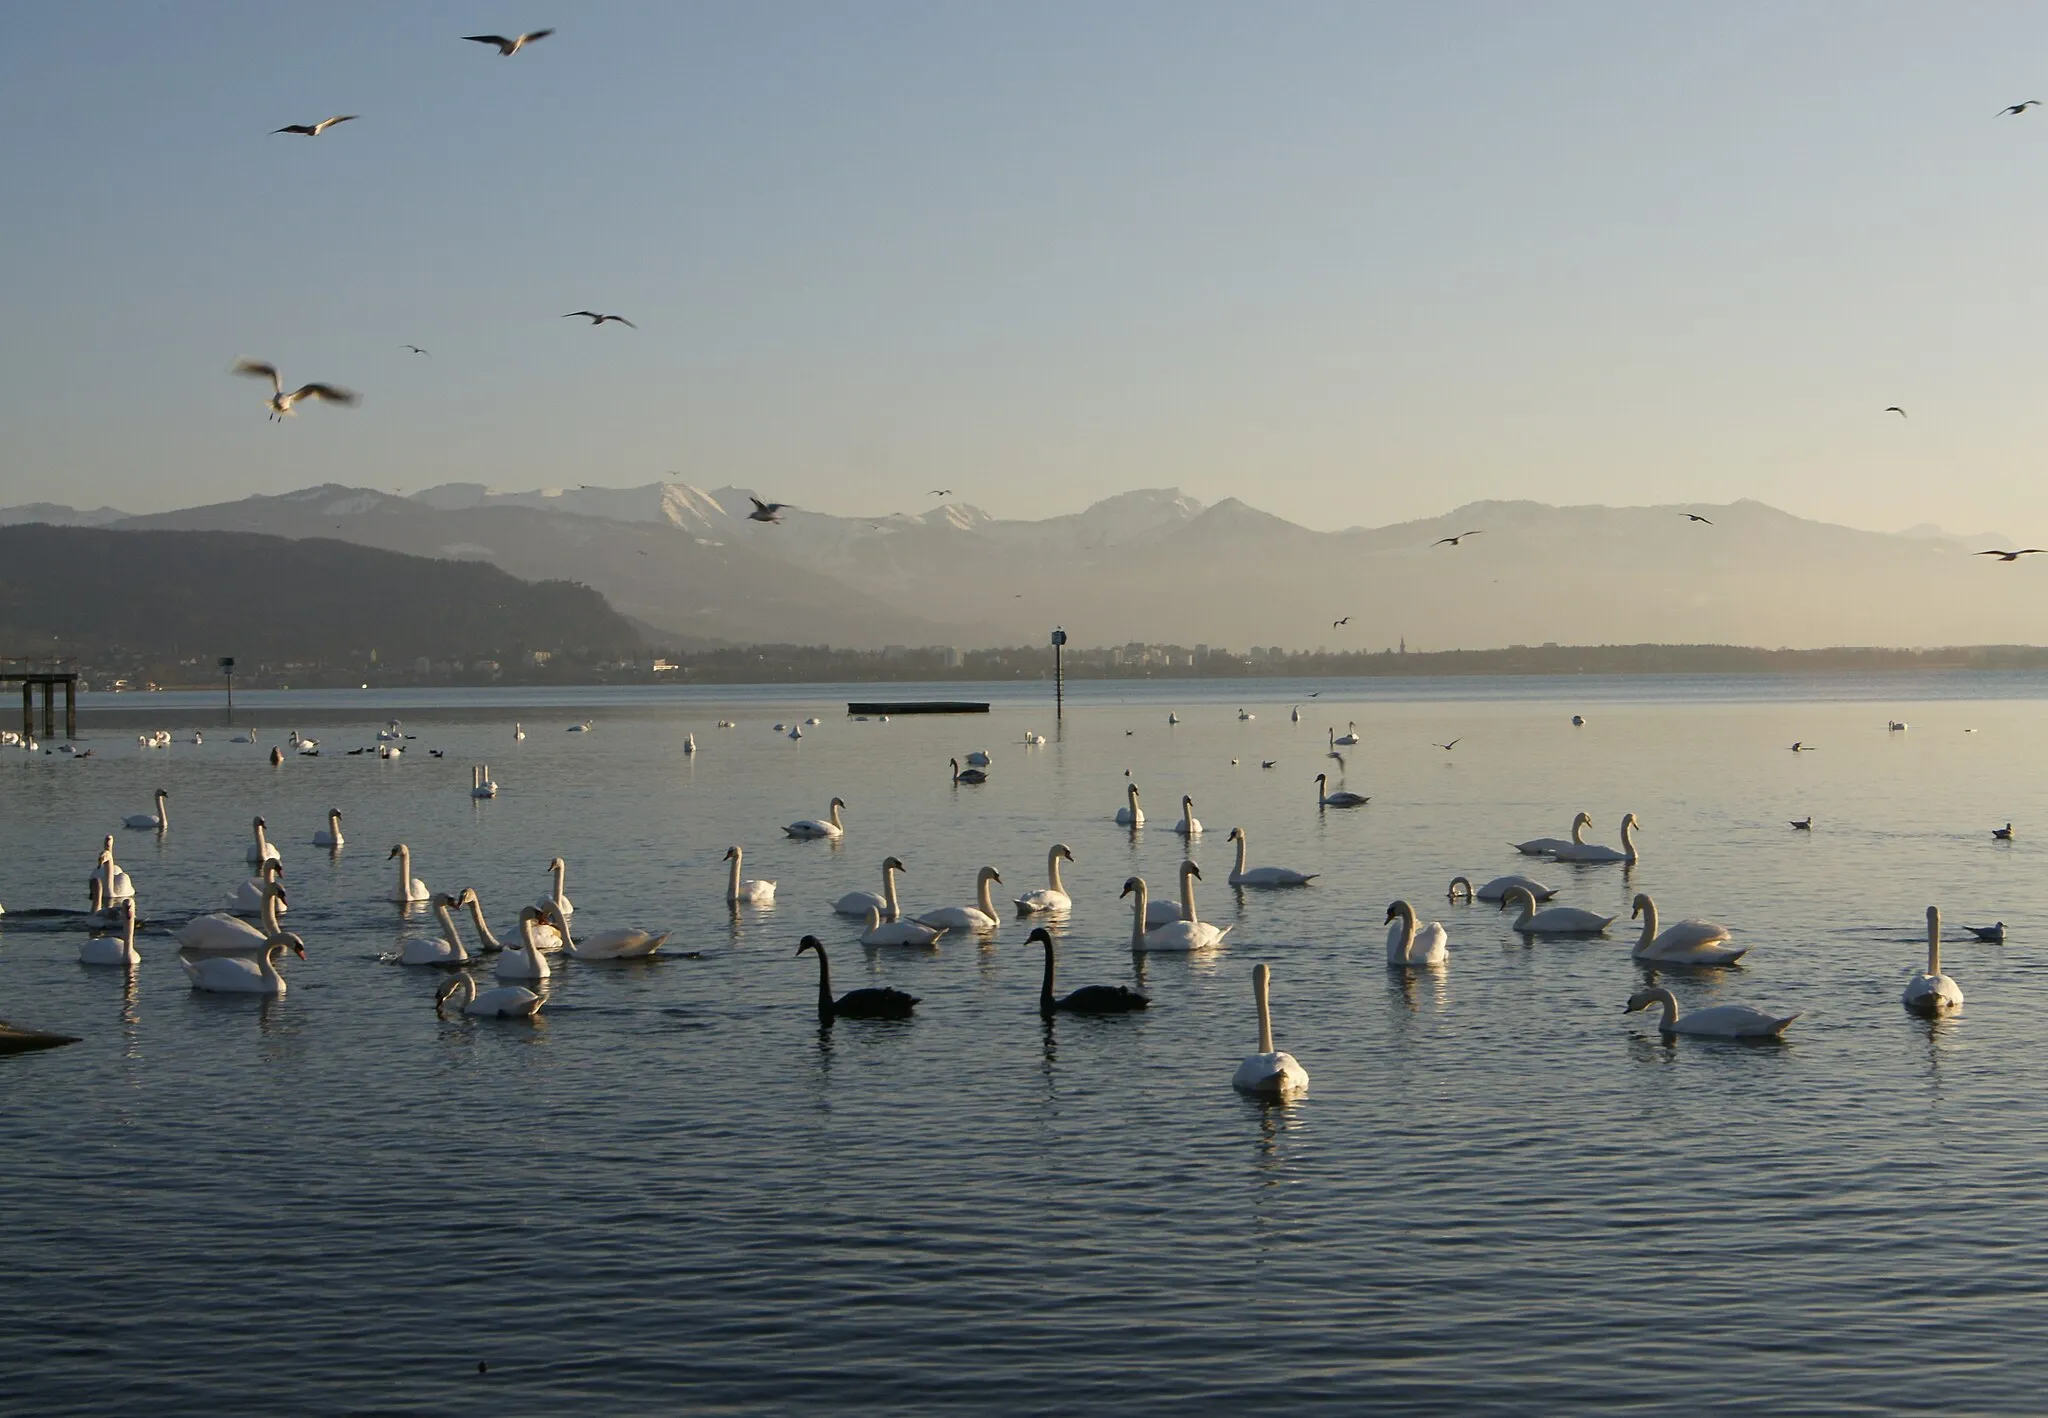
(49, 674)
(917, 706)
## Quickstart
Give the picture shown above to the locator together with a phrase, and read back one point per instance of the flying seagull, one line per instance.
(1894, 409)
(1697, 518)
(2019, 108)
(2013, 555)
(281, 402)
(597, 319)
(416, 350)
(1335, 623)
(765, 511)
(509, 47)
(942, 492)
(314, 130)
(1453, 541)
(1447, 747)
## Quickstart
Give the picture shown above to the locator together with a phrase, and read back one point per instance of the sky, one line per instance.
(1354, 263)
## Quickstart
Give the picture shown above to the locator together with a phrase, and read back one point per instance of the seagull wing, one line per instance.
(590, 314)
(308, 129)
(324, 124)
(258, 370)
(333, 394)
(531, 35)
(622, 320)
(1995, 552)
(504, 44)
(1445, 541)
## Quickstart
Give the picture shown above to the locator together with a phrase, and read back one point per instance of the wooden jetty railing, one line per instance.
(49, 674)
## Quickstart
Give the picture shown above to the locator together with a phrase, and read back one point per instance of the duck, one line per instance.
(1722, 1021)
(526, 960)
(1052, 896)
(811, 827)
(1340, 798)
(1682, 942)
(556, 902)
(2002, 834)
(1241, 875)
(253, 897)
(1161, 913)
(1802, 824)
(241, 975)
(330, 835)
(618, 943)
(408, 889)
(1596, 854)
(1552, 920)
(883, 902)
(875, 1003)
(969, 775)
(1089, 999)
(1130, 814)
(114, 950)
(914, 933)
(1269, 1073)
(1930, 991)
(1544, 846)
(1175, 937)
(504, 1002)
(745, 893)
(1407, 946)
(446, 950)
(158, 821)
(1189, 825)
(1245, 716)
(261, 847)
(981, 916)
(1499, 887)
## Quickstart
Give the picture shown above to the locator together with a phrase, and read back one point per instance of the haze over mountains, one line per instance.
(1155, 565)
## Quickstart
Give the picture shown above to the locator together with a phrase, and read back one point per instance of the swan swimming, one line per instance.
(1930, 991)
(883, 902)
(223, 934)
(1683, 942)
(1175, 937)
(1407, 946)
(583, 728)
(158, 821)
(408, 889)
(117, 883)
(543, 935)
(526, 960)
(253, 897)
(240, 975)
(330, 835)
(811, 827)
(619, 943)
(114, 950)
(876, 1003)
(1189, 825)
(1340, 798)
(1722, 1021)
(1552, 920)
(1544, 846)
(1130, 814)
(1089, 999)
(557, 900)
(445, 950)
(970, 775)
(977, 758)
(1269, 1073)
(1497, 888)
(1053, 895)
(481, 784)
(1597, 854)
(1347, 738)
(1161, 913)
(749, 893)
(504, 1002)
(261, 847)
(880, 932)
(1242, 875)
(981, 916)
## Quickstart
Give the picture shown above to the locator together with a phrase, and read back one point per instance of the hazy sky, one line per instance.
(1354, 263)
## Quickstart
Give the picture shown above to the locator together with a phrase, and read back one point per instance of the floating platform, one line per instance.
(917, 706)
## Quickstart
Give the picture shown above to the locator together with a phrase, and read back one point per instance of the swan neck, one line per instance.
(1138, 916)
(1628, 841)
(1052, 871)
(986, 898)
(825, 1006)
(271, 893)
(889, 893)
(1259, 992)
(448, 931)
(1187, 891)
(732, 884)
(483, 932)
(1649, 921)
(1045, 983)
(1933, 941)
(1670, 1003)
(1579, 831)
(1241, 847)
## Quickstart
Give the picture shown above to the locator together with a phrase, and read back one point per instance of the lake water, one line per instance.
(675, 1192)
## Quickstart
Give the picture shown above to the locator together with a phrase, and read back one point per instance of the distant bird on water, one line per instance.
(1990, 935)
(2003, 834)
(1802, 746)
(2018, 108)
(416, 350)
(765, 511)
(2013, 555)
(281, 402)
(1695, 517)
(509, 47)
(597, 319)
(314, 130)
(1453, 541)
(1804, 824)
(1894, 409)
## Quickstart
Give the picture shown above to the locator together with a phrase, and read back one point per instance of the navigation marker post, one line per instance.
(1059, 673)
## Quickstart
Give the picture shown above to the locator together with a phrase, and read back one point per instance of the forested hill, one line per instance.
(84, 590)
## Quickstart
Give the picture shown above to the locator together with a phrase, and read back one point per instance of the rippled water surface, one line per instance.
(675, 1191)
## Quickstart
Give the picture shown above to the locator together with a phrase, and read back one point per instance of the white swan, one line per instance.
(408, 888)
(390, 733)
(981, 916)
(748, 893)
(518, 733)
(481, 784)
(1722, 1021)
(249, 737)
(557, 902)
(1597, 854)
(1189, 825)
(883, 902)
(811, 827)
(880, 932)
(1552, 920)
(583, 728)
(1340, 798)
(1407, 946)
(330, 835)
(1683, 942)
(1931, 992)
(1245, 716)
(618, 943)
(445, 950)
(119, 886)
(504, 1002)
(1269, 1073)
(1130, 814)
(1347, 738)
(543, 934)
(1172, 718)
(1544, 846)
(240, 975)
(689, 743)
(113, 950)
(151, 822)
(223, 934)
(1053, 895)
(1295, 716)
(260, 848)
(1497, 888)
(1164, 912)
(254, 897)
(976, 758)
(526, 960)
(1175, 937)
(1263, 876)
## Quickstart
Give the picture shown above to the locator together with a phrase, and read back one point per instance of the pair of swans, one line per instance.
(1089, 999)
(1577, 849)
(1340, 798)
(745, 893)
(1721, 1021)
(1552, 920)
(1683, 942)
(1930, 992)
(1243, 875)
(811, 828)
(114, 950)
(481, 784)
(1052, 897)
(981, 916)
(1499, 887)
(330, 835)
(159, 821)
(241, 975)
(876, 1003)
(503, 1002)
(1178, 936)
(1408, 946)
(1270, 1073)
(524, 961)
